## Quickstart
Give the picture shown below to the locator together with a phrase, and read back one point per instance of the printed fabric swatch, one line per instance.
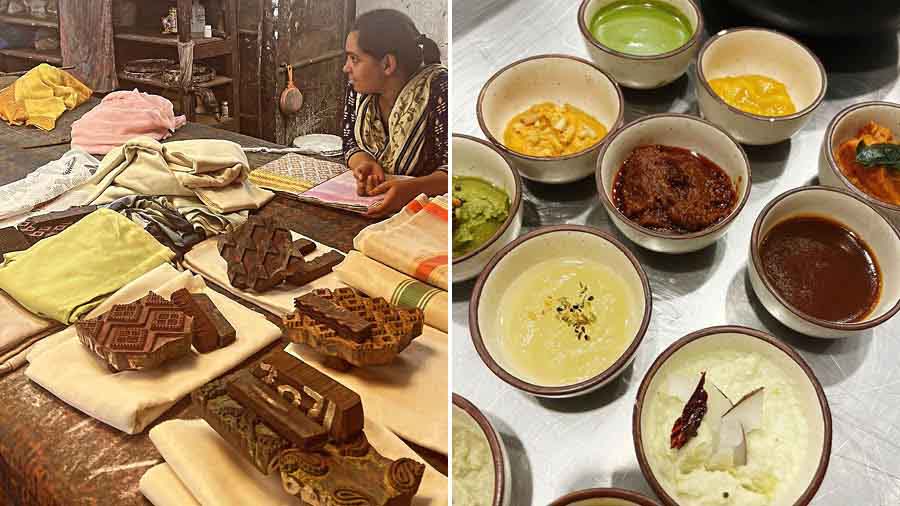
(295, 174)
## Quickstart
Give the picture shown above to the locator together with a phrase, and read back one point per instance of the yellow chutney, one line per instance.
(755, 94)
(565, 320)
(548, 129)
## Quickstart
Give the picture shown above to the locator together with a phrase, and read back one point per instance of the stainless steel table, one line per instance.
(561, 446)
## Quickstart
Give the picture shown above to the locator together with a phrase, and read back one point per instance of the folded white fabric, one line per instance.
(202, 466)
(47, 182)
(130, 400)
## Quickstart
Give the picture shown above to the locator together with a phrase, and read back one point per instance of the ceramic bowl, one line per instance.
(750, 51)
(604, 497)
(844, 126)
(809, 394)
(854, 213)
(477, 158)
(464, 408)
(558, 241)
(641, 72)
(549, 78)
(677, 130)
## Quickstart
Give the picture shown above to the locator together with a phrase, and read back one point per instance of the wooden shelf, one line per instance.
(30, 21)
(53, 57)
(159, 83)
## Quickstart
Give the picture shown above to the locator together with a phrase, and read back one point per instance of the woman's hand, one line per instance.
(397, 193)
(368, 176)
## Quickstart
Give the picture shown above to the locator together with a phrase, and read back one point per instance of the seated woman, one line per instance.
(395, 120)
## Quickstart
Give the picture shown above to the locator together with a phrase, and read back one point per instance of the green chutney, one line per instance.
(641, 27)
(480, 208)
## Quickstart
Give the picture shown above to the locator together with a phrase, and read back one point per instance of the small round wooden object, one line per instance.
(291, 97)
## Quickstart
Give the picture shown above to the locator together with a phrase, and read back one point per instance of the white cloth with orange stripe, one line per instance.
(413, 241)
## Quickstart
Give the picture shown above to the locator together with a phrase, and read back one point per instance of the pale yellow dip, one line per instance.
(774, 451)
(473, 466)
(549, 342)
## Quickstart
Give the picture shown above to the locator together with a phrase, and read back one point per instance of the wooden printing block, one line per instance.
(346, 323)
(12, 240)
(47, 225)
(141, 335)
(260, 254)
(284, 415)
(339, 473)
(316, 268)
(240, 426)
(304, 246)
(337, 408)
(211, 329)
(394, 329)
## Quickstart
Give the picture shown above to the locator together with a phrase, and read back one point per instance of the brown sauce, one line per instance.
(670, 189)
(821, 268)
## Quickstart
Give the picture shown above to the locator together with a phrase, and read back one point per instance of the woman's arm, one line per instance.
(366, 170)
(399, 192)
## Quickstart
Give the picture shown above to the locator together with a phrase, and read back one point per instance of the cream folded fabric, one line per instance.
(130, 400)
(399, 395)
(18, 324)
(378, 280)
(202, 466)
(213, 170)
(68, 274)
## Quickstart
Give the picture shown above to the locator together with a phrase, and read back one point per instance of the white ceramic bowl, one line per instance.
(844, 126)
(854, 213)
(604, 497)
(558, 241)
(678, 130)
(476, 158)
(641, 72)
(759, 51)
(499, 455)
(809, 394)
(549, 78)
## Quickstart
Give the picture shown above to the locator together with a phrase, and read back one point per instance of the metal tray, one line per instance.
(557, 447)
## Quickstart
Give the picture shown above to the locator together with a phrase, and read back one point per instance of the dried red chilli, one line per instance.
(687, 424)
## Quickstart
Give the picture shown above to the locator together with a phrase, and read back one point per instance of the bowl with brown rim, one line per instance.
(554, 242)
(557, 78)
(642, 72)
(811, 463)
(681, 131)
(467, 417)
(477, 158)
(604, 497)
(843, 127)
(742, 51)
(854, 213)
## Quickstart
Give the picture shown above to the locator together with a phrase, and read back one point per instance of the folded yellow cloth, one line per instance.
(41, 96)
(202, 468)
(378, 280)
(66, 275)
(131, 400)
(215, 171)
(413, 241)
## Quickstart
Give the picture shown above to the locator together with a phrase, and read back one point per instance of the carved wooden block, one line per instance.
(260, 254)
(341, 472)
(393, 328)
(211, 329)
(314, 269)
(140, 335)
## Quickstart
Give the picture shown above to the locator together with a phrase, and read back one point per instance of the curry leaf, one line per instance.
(878, 155)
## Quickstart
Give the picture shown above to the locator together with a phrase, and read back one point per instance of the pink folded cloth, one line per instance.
(121, 116)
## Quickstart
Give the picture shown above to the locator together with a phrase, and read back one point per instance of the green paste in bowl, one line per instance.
(479, 210)
(641, 27)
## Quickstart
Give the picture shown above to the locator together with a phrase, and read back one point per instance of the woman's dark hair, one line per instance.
(386, 31)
